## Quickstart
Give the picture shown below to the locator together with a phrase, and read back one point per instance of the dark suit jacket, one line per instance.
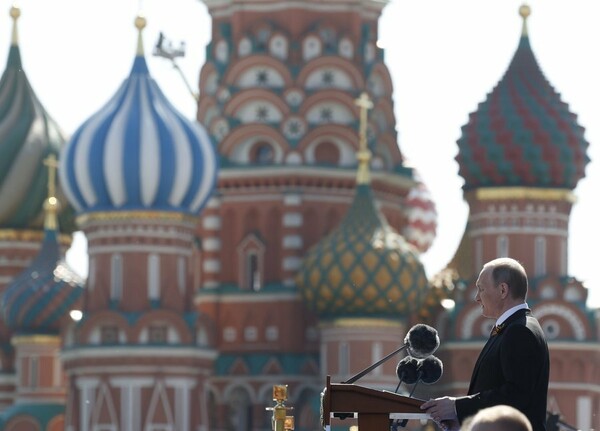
(513, 369)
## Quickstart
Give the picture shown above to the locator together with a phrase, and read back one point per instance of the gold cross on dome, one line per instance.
(52, 164)
(51, 204)
(364, 155)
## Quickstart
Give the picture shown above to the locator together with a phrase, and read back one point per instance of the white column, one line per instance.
(87, 399)
(130, 400)
(584, 413)
(376, 355)
(182, 388)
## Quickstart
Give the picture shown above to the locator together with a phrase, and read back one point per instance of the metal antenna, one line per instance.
(165, 49)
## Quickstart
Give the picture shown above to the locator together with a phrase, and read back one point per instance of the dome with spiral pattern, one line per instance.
(39, 299)
(523, 134)
(27, 136)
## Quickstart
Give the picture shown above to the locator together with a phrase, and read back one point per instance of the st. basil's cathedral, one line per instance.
(275, 238)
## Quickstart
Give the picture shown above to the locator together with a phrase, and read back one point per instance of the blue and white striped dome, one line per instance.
(138, 153)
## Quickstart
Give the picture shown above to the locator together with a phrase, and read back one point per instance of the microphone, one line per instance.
(430, 369)
(407, 371)
(421, 341)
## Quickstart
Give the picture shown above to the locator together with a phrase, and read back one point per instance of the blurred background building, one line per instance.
(273, 239)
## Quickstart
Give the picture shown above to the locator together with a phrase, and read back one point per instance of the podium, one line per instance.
(374, 408)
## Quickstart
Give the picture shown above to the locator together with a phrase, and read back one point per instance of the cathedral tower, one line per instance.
(37, 306)
(138, 173)
(27, 135)
(521, 155)
(277, 95)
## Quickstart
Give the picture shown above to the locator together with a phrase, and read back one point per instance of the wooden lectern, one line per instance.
(374, 408)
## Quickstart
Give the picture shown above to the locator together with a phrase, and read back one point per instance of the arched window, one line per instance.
(240, 410)
(251, 255)
(502, 246)
(346, 48)
(540, 255)
(478, 253)
(253, 271)
(153, 277)
(344, 358)
(181, 274)
(34, 368)
(91, 282)
(564, 255)
(262, 153)
(244, 47)
(116, 277)
(327, 153)
(311, 48)
(278, 46)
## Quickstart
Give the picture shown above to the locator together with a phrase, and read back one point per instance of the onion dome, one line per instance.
(421, 215)
(363, 268)
(138, 153)
(27, 135)
(39, 298)
(523, 134)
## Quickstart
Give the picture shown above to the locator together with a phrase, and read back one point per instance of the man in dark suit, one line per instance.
(513, 367)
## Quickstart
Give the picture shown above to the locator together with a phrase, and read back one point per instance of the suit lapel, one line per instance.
(490, 342)
(486, 348)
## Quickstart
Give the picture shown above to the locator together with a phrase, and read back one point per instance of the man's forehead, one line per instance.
(485, 273)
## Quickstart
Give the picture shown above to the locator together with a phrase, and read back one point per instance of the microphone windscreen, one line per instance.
(431, 369)
(406, 370)
(422, 341)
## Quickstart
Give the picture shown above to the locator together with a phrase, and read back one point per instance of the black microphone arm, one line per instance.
(375, 365)
(421, 340)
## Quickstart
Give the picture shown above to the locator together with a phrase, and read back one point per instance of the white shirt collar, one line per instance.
(510, 312)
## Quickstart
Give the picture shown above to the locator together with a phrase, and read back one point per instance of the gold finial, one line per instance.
(140, 23)
(364, 155)
(288, 424)
(15, 13)
(51, 205)
(280, 421)
(524, 11)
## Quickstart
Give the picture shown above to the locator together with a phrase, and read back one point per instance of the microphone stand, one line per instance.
(375, 365)
(365, 371)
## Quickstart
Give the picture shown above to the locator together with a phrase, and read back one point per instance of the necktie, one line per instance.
(497, 329)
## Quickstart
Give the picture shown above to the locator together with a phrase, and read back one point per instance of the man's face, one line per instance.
(488, 295)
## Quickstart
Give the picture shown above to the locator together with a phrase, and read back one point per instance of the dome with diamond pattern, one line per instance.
(363, 268)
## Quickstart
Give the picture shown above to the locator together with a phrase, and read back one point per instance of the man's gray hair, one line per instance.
(498, 418)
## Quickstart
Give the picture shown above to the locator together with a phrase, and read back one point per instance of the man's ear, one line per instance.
(504, 290)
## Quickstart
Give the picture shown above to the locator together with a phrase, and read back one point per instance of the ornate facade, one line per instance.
(276, 239)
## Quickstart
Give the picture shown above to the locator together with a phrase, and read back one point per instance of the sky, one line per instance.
(444, 58)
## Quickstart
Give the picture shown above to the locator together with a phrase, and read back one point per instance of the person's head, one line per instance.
(502, 284)
(498, 418)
